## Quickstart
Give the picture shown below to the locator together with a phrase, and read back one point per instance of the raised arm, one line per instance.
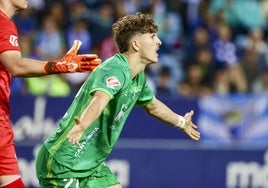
(162, 112)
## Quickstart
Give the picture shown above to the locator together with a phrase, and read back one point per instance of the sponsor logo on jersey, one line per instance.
(13, 40)
(111, 82)
(83, 145)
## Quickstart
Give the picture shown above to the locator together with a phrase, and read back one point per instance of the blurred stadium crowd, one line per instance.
(208, 46)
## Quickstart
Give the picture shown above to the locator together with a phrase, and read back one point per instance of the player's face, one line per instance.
(20, 4)
(149, 43)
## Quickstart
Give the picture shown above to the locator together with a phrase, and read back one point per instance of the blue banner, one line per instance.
(234, 119)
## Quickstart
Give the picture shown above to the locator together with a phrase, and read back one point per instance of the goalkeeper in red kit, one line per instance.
(12, 64)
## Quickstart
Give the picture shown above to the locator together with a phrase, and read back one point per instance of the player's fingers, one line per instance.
(77, 143)
(91, 63)
(70, 137)
(88, 60)
(73, 140)
(88, 56)
(196, 134)
(95, 62)
(194, 137)
(75, 47)
(194, 126)
(189, 115)
(197, 137)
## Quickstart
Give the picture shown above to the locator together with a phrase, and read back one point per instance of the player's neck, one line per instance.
(135, 64)
(6, 11)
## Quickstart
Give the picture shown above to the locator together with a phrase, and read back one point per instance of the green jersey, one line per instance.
(113, 77)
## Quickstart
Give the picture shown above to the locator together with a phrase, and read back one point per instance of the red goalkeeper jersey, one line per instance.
(8, 41)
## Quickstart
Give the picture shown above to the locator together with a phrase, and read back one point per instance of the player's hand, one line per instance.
(190, 128)
(76, 132)
(72, 62)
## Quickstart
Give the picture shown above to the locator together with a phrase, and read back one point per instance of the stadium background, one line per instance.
(213, 60)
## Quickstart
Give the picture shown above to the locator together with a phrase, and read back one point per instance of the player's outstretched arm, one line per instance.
(71, 62)
(162, 112)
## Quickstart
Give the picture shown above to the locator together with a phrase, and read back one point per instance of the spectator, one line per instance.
(229, 77)
(260, 86)
(26, 21)
(225, 51)
(101, 21)
(230, 80)
(250, 64)
(163, 88)
(80, 30)
(199, 40)
(192, 86)
(255, 42)
(57, 10)
(78, 10)
(204, 59)
(49, 40)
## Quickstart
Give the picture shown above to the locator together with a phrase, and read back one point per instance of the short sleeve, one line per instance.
(8, 36)
(109, 80)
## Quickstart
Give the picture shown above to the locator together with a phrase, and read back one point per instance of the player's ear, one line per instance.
(135, 45)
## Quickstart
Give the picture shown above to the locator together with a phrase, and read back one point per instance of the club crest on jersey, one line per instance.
(111, 82)
(13, 40)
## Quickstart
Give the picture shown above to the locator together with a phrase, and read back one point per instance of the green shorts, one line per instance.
(100, 177)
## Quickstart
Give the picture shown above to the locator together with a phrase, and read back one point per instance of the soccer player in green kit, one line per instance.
(74, 155)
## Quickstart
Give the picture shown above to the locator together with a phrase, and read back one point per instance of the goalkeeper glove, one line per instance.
(72, 62)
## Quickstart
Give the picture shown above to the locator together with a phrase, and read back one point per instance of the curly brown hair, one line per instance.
(128, 26)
